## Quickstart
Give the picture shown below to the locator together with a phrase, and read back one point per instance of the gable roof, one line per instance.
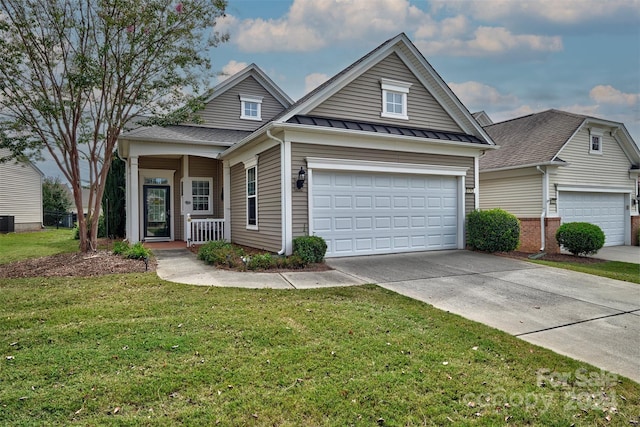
(407, 51)
(254, 71)
(538, 138)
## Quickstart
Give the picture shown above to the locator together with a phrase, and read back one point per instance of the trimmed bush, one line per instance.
(494, 230)
(220, 252)
(310, 248)
(261, 262)
(580, 238)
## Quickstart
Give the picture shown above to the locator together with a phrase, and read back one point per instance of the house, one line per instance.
(21, 194)
(555, 167)
(381, 158)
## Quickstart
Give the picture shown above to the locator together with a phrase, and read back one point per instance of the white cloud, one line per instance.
(314, 80)
(479, 96)
(311, 25)
(491, 41)
(523, 110)
(565, 12)
(230, 69)
(610, 95)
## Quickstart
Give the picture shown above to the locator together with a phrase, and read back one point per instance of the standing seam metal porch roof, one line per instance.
(384, 129)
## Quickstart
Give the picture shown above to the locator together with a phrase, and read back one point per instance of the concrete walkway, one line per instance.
(181, 266)
(586, 317)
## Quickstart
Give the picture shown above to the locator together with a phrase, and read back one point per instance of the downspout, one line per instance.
(283, 193)
(545, 198)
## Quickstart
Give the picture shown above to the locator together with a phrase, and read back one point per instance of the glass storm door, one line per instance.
(157, 211)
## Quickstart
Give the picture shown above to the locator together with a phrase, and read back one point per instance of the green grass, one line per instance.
(18, 246)
(134, 350)
(626, 271)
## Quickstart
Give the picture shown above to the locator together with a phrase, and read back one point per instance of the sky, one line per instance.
(509, 58)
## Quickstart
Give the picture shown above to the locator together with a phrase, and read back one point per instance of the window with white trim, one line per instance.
(394, 99)
(595, 141)
(201, 196)
(197, 195)
(251, 173)
(250, 107)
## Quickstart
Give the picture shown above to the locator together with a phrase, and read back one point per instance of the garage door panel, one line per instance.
(401, 212)
(606, 210)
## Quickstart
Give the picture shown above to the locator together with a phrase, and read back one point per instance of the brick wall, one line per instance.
(530, 234)
(635, 226)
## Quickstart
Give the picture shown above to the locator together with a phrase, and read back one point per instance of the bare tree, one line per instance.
(73, 73)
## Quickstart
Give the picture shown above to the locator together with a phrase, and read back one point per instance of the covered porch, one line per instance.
(175, 187)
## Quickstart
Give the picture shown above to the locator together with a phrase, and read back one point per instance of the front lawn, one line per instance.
(134, 350)
(19, 246)
(626, 271)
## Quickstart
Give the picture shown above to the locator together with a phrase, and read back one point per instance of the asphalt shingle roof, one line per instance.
(532, 139)
(384, 129)
(188, 134)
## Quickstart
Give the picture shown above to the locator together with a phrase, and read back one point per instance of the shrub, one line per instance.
(220, 252)
(261, 262)
(120, 248)
(310, 248)
(101, 229)
(580, 238)
(494, 230)
(289, 262)
(137, 251)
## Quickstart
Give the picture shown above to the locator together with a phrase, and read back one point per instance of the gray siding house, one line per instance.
(388, 153)
(21, 194)
(554, 167)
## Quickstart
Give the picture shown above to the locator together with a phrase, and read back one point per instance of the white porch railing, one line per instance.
(199, 231)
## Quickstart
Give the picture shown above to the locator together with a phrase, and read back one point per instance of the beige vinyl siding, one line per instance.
(269, 233)
(611, 168)
(299, 152)
(362, 99)
(224, 110)
(21, 194)
(518, 192)
(202, 167)
(153, 162)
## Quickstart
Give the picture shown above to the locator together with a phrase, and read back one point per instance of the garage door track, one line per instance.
(587, 317)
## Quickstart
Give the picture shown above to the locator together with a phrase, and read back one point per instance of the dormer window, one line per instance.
(250, 107)
(394, 99)
(595, 141)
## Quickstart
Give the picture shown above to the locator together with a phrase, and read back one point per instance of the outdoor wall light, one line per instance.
(301, 176)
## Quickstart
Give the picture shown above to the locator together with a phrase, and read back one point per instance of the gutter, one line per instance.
(545, 201)
(283, 192)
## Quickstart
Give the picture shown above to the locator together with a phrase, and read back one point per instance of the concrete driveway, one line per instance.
(590, 318)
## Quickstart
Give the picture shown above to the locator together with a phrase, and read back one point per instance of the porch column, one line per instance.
(134, 201)
(127, 199)
(226, 186)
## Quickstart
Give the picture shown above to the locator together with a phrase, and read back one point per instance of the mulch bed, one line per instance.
(75, 264)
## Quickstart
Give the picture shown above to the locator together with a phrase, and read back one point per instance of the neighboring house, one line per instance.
(388, 154)
(555, 167)
(21, 194)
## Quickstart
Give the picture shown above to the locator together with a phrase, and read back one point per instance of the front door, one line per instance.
(157, 212)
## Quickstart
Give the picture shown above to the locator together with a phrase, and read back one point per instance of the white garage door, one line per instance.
(606, 210)
(361, 213)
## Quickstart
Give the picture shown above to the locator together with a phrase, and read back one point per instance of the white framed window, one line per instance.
(197, 195)
(394, 99)
(251, 107)
(595, 141)
(201, 195)
(251, 172)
